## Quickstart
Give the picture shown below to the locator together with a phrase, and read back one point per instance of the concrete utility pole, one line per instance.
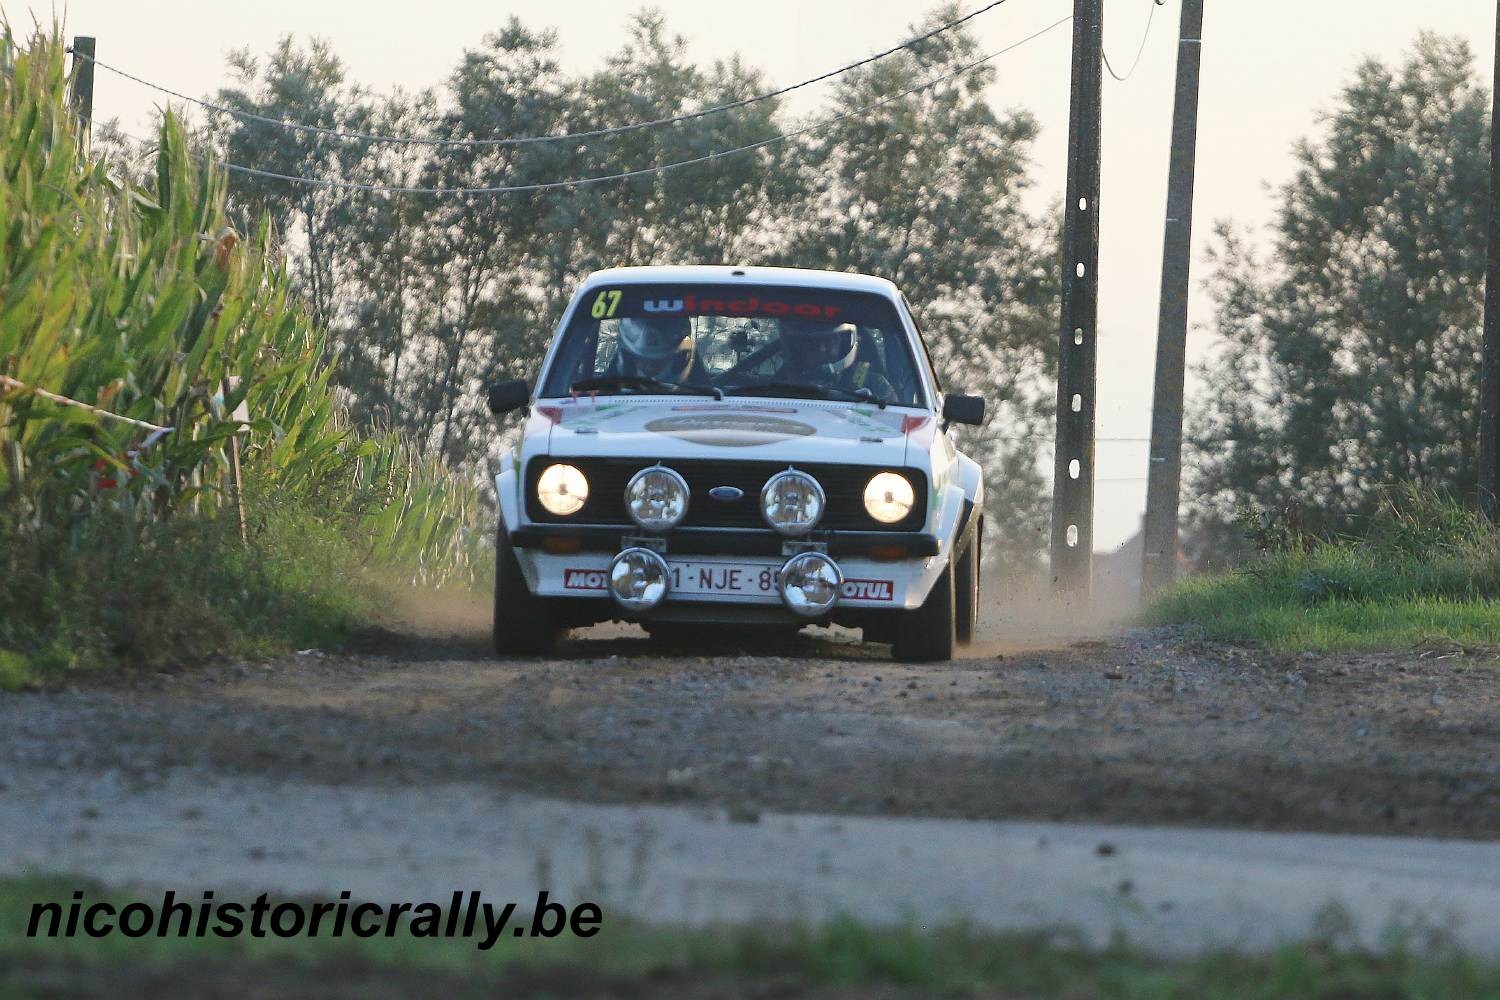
(1073, 473)
(1164, 477)
(1489, 376)
(83, 83)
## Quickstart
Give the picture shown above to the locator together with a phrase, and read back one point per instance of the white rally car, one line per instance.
(738, 445)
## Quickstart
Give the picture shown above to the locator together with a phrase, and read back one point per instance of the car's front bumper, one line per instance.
(886, 546)
(574, 562)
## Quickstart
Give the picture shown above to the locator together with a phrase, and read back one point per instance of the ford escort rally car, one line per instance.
(715, 445)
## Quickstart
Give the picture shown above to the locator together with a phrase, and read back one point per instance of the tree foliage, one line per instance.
(1349, 353)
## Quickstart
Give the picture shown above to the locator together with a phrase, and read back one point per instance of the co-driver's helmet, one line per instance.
(826, 347)
(659, 346)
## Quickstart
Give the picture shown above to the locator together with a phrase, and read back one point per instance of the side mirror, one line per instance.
(507, 396)
(964, 409)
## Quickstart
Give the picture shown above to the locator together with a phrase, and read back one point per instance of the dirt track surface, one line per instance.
(1145, 727)
(351, 979)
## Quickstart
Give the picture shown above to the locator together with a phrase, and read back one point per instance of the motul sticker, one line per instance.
(868, 590)
(584, 579)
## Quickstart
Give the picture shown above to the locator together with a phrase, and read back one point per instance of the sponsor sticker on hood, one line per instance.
(731, 430)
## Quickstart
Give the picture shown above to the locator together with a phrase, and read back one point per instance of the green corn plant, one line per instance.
(144, 301)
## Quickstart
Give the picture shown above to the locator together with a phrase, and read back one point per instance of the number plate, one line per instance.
(699, 578)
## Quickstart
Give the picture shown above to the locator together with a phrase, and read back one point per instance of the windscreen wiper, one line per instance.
(860, 395)
(642, 382)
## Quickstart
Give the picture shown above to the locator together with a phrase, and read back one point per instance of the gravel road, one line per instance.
(406, 757)
(1144, 728)
(1173, 891)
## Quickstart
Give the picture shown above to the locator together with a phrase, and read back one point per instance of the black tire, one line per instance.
(929, 633)
(966, 595)
(966, 588)
(523, 625)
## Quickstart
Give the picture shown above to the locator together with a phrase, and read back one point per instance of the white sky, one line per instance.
(1268, 71)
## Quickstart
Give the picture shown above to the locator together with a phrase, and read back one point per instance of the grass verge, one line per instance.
(1427, 572)
(841, 958)
(108, 592)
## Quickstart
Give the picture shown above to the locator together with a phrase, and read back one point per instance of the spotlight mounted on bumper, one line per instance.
(809, 583)
(792, 503)
(639, 579)
(657, 498)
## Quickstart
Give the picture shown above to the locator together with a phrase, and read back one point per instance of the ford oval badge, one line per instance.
(727, 494)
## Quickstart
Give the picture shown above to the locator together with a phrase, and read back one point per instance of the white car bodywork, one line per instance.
(668, 428)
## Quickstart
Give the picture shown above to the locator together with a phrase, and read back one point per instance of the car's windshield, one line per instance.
(739, 340)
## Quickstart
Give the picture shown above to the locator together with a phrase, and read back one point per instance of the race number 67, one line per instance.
(606, 303)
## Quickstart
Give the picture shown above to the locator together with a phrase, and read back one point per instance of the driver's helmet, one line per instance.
(823, 348)
(660, 346)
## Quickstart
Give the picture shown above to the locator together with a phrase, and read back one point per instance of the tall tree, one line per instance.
(306, 86)
(722, 211)
(1349, 358)
(384, 306)
(477, 247)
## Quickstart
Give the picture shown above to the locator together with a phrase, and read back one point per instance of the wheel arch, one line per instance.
(970, 478)
(508, 491)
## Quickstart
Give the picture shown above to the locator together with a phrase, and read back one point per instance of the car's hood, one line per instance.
(689, 427)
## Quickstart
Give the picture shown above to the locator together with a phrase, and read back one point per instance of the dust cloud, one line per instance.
(1025, 616)
(1018, 615)
(435, 614)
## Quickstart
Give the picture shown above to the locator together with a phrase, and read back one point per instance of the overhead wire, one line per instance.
(1150, 17)
(526, 140)
(780, 137)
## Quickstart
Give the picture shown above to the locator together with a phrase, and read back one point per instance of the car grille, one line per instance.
(843, 485)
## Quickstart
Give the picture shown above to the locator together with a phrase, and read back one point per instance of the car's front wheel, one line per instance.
(930, 632)
(966, 588)
(523, 625)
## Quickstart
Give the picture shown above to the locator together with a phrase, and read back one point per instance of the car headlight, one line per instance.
(657, 498)
(792, 502)
(562, 489)
(889, 497)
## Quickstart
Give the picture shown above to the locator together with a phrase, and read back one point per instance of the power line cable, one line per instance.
(643, 171)
(524, 140)
(1150, 17)
(1044, 437)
